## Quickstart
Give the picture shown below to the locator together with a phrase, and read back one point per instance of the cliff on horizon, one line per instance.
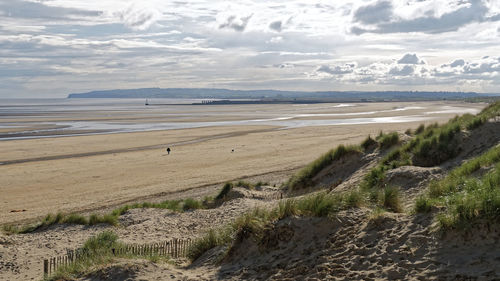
(205, 93)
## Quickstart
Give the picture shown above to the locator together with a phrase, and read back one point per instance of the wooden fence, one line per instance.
(174, 248)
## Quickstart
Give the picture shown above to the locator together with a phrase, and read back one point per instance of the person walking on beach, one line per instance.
(168, 150)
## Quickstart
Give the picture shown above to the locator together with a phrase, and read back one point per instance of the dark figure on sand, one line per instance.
(168, 150)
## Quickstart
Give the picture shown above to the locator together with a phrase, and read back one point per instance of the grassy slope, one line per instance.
(481, 199)
(467, 195)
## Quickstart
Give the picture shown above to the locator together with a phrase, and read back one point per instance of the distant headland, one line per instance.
(277, 96)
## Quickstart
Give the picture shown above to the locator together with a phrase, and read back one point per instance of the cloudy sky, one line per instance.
(49, 48)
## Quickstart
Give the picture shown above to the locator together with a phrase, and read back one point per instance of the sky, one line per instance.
(50, 48)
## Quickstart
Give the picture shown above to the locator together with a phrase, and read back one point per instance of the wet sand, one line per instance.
(88, 172)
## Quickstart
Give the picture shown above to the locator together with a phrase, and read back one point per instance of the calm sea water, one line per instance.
(37, 118)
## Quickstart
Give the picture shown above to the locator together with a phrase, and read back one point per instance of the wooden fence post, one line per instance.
(45, 268)
(176, 248)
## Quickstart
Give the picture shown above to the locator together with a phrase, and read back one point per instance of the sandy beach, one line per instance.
(83, 173)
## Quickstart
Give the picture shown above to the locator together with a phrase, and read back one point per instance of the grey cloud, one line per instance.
(475, 12)
(276, 25)
(138, 19)
(379, 12)
(238, 24)
(410, 59)
(404, 71)
(284, 65)
(37, 10)
(459, 62)
(345, 69)
(486, 67)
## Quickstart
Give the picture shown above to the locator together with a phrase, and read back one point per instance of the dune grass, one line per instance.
(439, 145)
(228, 186)
(420, 129)
(224, 191)
(368, 142)
(60, 218)
(467, 195)
(387, 140)
(479, 201)
(431, 145)
(97, 251)
(212, 239)
(303, 178)
(423, 205)
(110, 218)
(191, 204)
(456, 179)
(255, 223)
(390, 199)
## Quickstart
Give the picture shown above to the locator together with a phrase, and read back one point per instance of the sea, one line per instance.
(45, 118)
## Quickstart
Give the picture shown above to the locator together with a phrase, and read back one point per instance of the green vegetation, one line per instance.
(432, 145)
(224, 191)
(368, 142)
(439, 145)
(475, 122)
(390, 199)
(191, 204)
(387, 140)
(377, 215)
(97, 251)
(423, 205)
(304, 177)
(257, 221)
(469, 193)
(229, 185)
(111, 218)
(420, 129)
(479, 200)
(61, 218)
(76, 219)
(252, 222)
(456, 179)
(212, 239)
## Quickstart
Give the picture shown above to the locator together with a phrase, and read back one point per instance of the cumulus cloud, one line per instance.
(276, 26)
(471, 11)
(402, 71)
(376, 13)
(483, 67)
(459, 62)
(410, 59)
(337, 69)
(236, 23)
